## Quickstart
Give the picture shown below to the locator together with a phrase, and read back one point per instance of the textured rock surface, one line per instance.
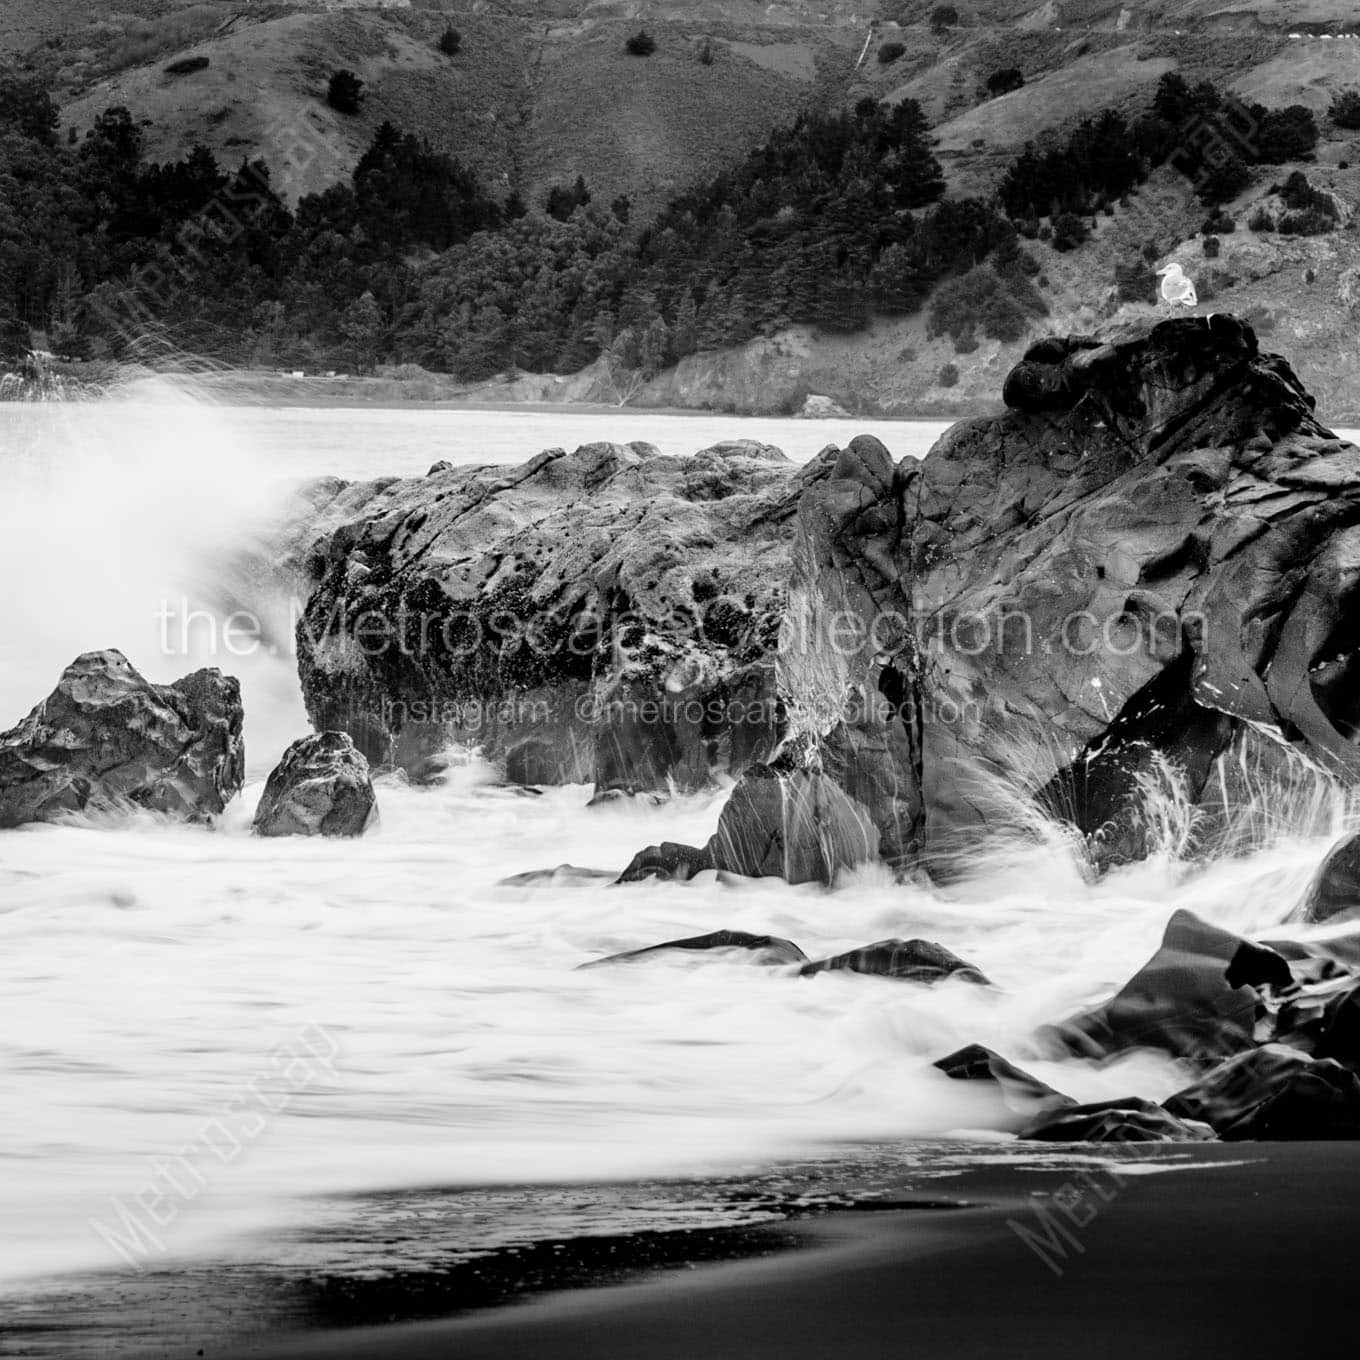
(1198, 997)
(321, 787)
(1156, 544)
(1146, 569)
(793, 824)
(605, 615)
(1275, 1093)
(1335, 891)
(106, 738)
(1128, 1120)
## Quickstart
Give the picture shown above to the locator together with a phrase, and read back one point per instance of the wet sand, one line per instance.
(1242, 1251)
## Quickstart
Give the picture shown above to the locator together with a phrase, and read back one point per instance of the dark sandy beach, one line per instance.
(1244, 1250)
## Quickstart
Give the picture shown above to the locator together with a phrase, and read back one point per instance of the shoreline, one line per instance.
(434, 391)
(1211, 1259)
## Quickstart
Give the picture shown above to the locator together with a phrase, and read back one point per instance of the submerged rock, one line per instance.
(1198, 997)
(1020, 1098)
(763, 949)
(1274, 1093)
(1126, 1120)
(107, 739)
(1335, 891)
(908, 960)
(321, 787)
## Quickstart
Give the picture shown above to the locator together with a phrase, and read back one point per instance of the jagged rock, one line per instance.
(1140, 571)
(1127, 1120)
(1274, 1093)
(909, 960)
(1197, 997)
(1322, 1019)
(769, 950)
(1113, 577)
(1020, 1097)
(107, 739)
(604, 615)
(1335, 891)
(321, 787)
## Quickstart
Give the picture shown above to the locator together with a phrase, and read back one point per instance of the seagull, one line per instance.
(1176, 287)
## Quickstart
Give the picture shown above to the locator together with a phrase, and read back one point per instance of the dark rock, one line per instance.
(1151, 558)
(107, 739)
(797, 825)
(1335, 891)
(763, 949)
(1102, 584)
(321, 787)
(603, 615)
(669, 860)
(792, 824)
(909, 960)
(1322, 1019)
(1021, 1098)
(1274, 1093)
(1182, 1000)
(1128, 1120)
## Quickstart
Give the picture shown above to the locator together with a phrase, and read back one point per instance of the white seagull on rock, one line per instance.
(1176, 287)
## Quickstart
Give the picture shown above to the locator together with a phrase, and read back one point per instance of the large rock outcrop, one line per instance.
(106, 739)
(321, 787)
(1146, 569)
(1155, 547)
(607, 615)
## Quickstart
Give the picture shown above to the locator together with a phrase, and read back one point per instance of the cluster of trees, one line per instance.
(835, 219)
(1211, 137)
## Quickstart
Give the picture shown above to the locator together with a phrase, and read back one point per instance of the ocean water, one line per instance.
(203, 1036)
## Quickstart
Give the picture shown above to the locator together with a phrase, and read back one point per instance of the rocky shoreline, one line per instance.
(1138, 581)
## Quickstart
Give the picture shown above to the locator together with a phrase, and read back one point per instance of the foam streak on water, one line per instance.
(149, 973)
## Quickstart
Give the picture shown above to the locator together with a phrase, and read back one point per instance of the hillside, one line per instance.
(540, 92)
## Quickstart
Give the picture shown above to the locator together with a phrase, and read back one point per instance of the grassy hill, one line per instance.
(542, 91)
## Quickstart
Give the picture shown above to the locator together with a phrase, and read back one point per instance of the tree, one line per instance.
(26, 107)
(1287, 134)
(1004, 81)
(563, 200)
(450, 41)
(1069, 231)
(345, 92)
(1345, 110)
(890, 51)
(943, 18)
(361, 324)
(641, 44)
(1224, 181)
